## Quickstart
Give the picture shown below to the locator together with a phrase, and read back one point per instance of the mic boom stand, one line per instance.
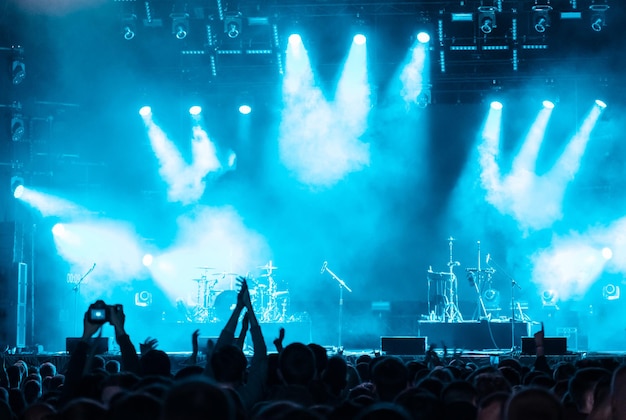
(342, 285)
(513, 285)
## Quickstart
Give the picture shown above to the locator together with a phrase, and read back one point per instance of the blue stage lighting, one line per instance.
(423, 37)
(359, 39)
(295, 39)
(548, 104)
(145, 111)
(496, 105)
(17, 186)
(601, 103)
(195, 110)
(147, 260)
(245, 109)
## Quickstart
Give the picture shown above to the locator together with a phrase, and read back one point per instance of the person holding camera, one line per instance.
(96, 316)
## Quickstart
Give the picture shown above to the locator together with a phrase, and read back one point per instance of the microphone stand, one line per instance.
(514, 284)
(76, 290)
(342, 285)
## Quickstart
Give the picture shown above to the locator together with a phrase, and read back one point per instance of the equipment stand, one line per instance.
(342, 285)
(452, 313)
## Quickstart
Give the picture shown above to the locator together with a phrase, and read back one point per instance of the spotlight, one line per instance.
(598, 16)
(180, 25)
(541, 17)
(549, 298)
(491, 298)
(424, 98)
(145, 111)
(147, 260)
(607, 253)
(295, 39)
(610, 292)
(17, 127)
(601, 103)
(18, 71)
(487, 18)
(232, 24)
(359, 39)
(423, 37)
(17, 186)
(496, 105)
(58, 229)
(195, 110)
(245, 101)
(128, 27)
(548, 104)
(128, 33)
(143, 299)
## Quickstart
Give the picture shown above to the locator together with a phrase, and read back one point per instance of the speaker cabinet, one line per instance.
(99, 344)
(551, 345)
(403, 346)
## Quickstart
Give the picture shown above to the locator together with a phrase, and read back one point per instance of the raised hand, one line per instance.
(89, 328)
(194, 341)
(278, 342)
(149, 344)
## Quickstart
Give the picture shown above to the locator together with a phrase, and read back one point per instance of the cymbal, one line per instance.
(267, 267)
(224, 273)
(200, 279)
(205, 268)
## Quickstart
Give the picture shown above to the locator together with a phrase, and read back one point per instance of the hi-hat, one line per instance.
(224, 273)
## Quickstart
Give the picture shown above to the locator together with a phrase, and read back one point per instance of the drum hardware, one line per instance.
(452, 313)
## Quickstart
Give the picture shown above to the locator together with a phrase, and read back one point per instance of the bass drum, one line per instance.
(225, 302)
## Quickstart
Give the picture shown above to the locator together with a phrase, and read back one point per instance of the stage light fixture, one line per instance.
(245, 109)
(195, 110)
(180, 25)
(548, 104)
(145, 111)
(17, 127)
(17, 186)
(147, 260)
(232, 24)
(541, 17)
(491, 298)
(18, 68)
(610, 291)
(549, 298)
(423, 37)
(143, 299)
(295, 39)
(487, 18)
(598, 16)
(496, 105)
(601, 103)
(424, 98)
(359, 39)
(128, 26)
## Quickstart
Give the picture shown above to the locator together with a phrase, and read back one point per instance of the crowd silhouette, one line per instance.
(301, 381)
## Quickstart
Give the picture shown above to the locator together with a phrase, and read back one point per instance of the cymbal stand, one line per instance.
(452, 313)
(477, 280)
(342, 285)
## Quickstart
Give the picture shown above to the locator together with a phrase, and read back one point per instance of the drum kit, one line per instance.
(270, 304)
(443, 299)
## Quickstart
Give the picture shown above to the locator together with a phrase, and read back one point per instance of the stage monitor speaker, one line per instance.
(403, 346)
(551, 345)
(99, 344)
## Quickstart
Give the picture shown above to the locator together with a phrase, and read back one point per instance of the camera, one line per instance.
(100, 313)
